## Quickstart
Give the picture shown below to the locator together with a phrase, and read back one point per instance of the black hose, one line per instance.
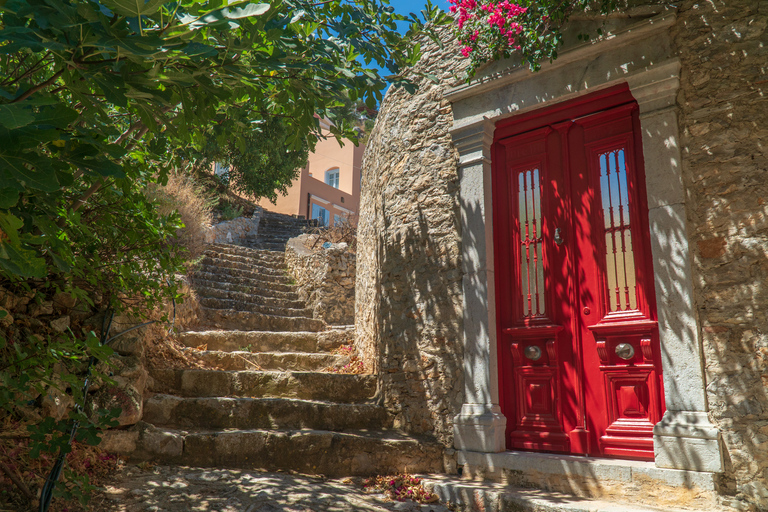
(46, 493)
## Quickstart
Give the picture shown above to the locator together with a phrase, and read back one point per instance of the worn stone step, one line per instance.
(251, 297)
(265, 256)
(228, 282)
(264, 384)
(277, 361)
(261, 341)
(216, 303)
(211, 288)
(479, 496)
(317, 452)
(222, 266)
(268, 261)
(261, 413)
(235, 261)
(221, 319)
(229, 273)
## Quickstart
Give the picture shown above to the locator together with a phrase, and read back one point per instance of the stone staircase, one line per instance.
(275, 229)
(270, 405)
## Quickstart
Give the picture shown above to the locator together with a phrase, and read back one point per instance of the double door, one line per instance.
(579, 351)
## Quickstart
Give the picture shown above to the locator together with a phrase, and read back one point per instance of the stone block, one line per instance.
(61, 324)
(687, 440)
(206, 383)
(480, 428)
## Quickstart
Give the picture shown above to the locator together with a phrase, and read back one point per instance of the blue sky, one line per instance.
(409, 6)
(406, 6)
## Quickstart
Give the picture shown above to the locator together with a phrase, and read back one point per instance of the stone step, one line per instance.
(228, 267)
(316, 452)
(225, 281)
(274, 361)
(260, 341)
(479, 496)
(264, 384)
(216, 303)
(278, 246)
(249, 297)
(212, 288)
(264, 256)
(229, 273)
(235, 261)
(261, 413)
(230, 319)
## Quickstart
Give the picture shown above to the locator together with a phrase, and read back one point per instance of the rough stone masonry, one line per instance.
(409, 304)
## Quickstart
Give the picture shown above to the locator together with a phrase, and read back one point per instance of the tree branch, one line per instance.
(38, 87)
(18, 483)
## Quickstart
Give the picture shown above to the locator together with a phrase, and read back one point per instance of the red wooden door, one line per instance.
(579, 353)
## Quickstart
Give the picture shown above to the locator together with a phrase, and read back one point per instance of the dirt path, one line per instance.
(177, 489)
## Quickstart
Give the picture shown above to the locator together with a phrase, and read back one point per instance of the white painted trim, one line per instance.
(319, 199)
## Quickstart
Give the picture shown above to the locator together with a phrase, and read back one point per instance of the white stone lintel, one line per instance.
(480, 428)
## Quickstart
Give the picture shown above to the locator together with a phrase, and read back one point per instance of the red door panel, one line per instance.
(579, 359)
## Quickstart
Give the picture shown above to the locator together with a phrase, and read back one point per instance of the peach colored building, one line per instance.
(328, 188)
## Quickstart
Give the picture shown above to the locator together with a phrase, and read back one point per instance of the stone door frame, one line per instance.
(641, 56)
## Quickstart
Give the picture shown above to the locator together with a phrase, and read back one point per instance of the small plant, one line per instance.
(400, 488)
(231, 211)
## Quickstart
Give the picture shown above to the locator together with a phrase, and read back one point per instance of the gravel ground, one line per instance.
(177, 489)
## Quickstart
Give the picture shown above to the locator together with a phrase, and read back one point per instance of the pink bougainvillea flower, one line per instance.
(466, 51)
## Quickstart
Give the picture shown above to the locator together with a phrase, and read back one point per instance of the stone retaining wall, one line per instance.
(409, 301)
(325, 276)
(235, 231)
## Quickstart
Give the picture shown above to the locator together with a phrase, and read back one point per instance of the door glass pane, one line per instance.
(619, 256)
(320, 214)
(531, 260)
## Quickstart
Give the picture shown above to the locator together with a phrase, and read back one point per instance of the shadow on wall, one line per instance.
(420, 344)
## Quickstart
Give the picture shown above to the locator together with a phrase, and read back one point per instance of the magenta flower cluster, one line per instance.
(487, 23)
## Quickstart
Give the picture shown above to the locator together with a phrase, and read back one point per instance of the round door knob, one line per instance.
(587, 311)
(532, 352)
(625, 351)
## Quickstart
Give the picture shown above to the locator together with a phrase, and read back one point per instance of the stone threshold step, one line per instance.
(263, 384)
(596, 478)
(472, 496)
(268, 341)
(316, 452)
(262, 413)
(276, 361)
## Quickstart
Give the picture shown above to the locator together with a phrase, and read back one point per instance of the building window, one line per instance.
(332, 178)
(321, 214)
(337, 219)
(220, 169)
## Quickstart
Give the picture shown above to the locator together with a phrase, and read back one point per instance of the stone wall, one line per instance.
(235, 231)
(326, 278)
(409, 302)
(723, 115)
